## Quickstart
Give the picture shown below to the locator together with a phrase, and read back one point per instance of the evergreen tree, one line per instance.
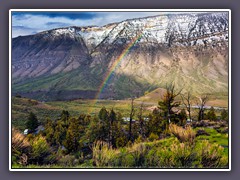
(93, 132)
(87, 120)
(49, 131)
(211, 114)
(224, 115)
(182, 117)
(112, 118)
(70, 143)
(156, 124)
(60, 133)
(103, 114)
(65, 117)
(83, 122)
(32, 122)
(120, 138)
(73, 136)
(104, 124)
(84, 119)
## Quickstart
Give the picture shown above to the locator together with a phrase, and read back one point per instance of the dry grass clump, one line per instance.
(103, 154)
(183, 134)
(19, 142)
(20, 147)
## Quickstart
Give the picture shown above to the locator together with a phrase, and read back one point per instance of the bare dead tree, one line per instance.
(186, 99)
(202, 100)
(168, 102)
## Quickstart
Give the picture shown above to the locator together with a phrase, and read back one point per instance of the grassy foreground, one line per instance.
(181, 150)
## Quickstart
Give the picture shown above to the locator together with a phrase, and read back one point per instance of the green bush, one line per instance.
(161, 154)
(41, 152)
(139, 139)
(68, 161)
(138, 152)
(211, 115)
(103, 154)
(121, 142)
(153, 137)
(211, 155)
(224, 115)
(128, 161)
(151, 160)
(184, 155)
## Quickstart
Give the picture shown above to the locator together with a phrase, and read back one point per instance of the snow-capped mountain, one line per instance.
(189, 49)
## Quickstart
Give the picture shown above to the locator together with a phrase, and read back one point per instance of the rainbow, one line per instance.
(114, 67)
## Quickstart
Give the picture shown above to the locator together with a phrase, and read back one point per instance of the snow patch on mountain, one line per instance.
(180, 29)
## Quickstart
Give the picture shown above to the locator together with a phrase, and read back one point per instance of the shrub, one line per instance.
(177, 155)
(127, 161)
(225, 130)
(202, 132)
(211, 155)
(183, 155)
(138, 151)
(183, 135)
(103, 154)
(20, 147)
(121, 142)
(224, 115)
(151, 159)
(160, 154)
(18, 96)
(20, 143)
(211, 115)
(164, 158)
(67, 161)
(41, 152)
(139, 139)
(153, 137)
(32, 102)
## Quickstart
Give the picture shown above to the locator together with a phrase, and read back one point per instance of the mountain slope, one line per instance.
(67, 63)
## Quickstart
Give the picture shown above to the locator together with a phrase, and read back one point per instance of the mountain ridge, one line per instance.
(190, 50)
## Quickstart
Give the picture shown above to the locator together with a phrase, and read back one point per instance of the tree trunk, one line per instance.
(130, 122)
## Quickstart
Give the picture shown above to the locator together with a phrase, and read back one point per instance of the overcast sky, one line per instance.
(26, 23)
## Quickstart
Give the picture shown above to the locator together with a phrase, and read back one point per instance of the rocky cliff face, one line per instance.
(189, 49)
